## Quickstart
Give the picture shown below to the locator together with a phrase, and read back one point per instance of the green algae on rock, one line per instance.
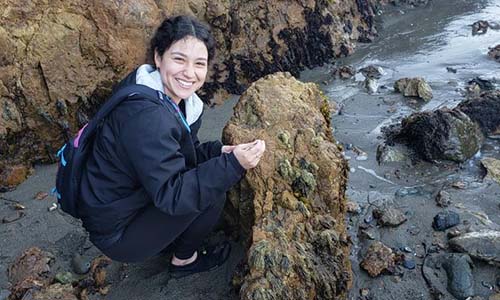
(290, 209)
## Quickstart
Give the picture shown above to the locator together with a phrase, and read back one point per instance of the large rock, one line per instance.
(59, 59)
(291, 208)
(484, 245)
(441, 134)
(484, 109)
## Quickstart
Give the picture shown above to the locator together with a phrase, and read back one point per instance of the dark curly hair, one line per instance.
(177, 28)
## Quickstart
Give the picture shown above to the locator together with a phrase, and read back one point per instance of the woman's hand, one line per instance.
(249, 155)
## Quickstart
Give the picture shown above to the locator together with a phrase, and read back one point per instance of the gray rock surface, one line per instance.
(460, 280)
(483, 245)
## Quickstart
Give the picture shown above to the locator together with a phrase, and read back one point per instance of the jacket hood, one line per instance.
(148, 76)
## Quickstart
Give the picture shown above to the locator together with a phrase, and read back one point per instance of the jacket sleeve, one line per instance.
(207, 150)
(151, 142)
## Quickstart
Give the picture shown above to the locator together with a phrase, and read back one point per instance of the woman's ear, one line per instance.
(157, 59)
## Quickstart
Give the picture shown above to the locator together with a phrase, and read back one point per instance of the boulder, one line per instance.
(494, 53)
(60, 59)
(484, 109)
(414, 87)
(483, 245)
(441, 134)
(290, 209)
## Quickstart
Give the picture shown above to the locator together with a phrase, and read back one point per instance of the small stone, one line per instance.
(409, 263)
(414, 230)
(407, 249)
(80, 264)
(406, 191)
(389, 216)
(378, 258)
(372, 71)
(362, 157)
(445, 220)
(443, 199)
(353, 207)
(368, 219)
(451, 70)
(459, 185)
(494, 53)
(40, 195)
(364, 292)
(64, 277)
(370, 233)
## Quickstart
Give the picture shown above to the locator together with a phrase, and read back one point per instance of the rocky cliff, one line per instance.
(59, 59)
(290, 209)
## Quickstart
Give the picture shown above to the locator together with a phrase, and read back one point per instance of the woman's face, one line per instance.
(183, 67)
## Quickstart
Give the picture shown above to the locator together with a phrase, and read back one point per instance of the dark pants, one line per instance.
(152, 231)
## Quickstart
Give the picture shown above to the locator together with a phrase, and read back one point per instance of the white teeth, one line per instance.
(185, 84)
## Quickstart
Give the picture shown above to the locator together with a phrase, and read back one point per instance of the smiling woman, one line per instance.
(183, 68)
(149, 183)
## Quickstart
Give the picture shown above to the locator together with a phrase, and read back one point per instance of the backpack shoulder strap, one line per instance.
(123, 94)
(118, 97)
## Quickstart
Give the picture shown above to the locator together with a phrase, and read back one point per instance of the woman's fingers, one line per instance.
(249, 154)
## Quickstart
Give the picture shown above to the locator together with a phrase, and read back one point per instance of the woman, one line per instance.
(149, 183)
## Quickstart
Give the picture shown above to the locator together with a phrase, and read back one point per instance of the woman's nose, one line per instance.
(189, 71)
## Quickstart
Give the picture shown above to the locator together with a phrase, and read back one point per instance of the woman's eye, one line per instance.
(180, 59)
(201, 64)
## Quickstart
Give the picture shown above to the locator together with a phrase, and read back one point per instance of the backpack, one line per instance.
(74, 153)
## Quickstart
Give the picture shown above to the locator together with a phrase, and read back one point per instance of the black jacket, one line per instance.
(144, 155)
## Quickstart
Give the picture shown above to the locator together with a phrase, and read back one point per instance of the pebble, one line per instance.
(414, 230)
(80, 264)
(406, 249)
(368, 219)
(409, 263)
(64, 277)
(445, 220)
(407, 191)
(362, 157)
